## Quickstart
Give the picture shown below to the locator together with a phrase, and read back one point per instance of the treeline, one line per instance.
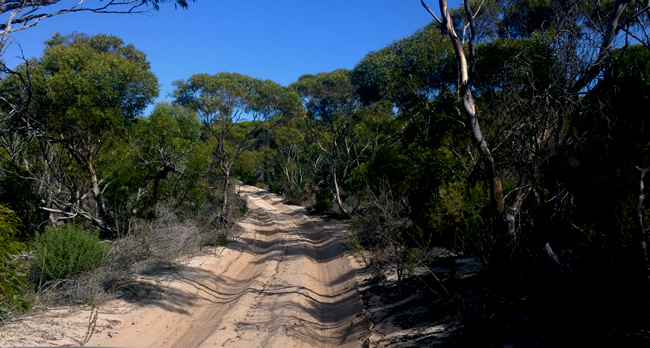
(533, 164)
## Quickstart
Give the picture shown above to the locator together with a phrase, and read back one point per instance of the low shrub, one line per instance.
(323, 202)
(13, 269)
(67, 250)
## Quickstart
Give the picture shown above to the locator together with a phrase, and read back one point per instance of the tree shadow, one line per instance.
(301, 312)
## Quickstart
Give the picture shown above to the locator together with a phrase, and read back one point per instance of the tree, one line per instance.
(422, 147)
(578, 66)
(25, 14)
(613, 148)
(237, 113)
(333, 105)
(288, 168)
(410, 73)
(13, 269)
(77, 101)
(165, 146)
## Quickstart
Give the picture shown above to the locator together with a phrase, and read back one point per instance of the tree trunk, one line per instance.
(162, 175)
(224, 206)
(106, 220)
(639, 221)
(605, 48)
(337, 192)
(508, 216)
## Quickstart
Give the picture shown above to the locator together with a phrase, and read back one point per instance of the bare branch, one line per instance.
(642, 42)
(596, 67)
(472, 40)
(26, 14)
(431, 12)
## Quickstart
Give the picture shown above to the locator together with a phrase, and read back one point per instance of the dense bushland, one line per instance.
(84, 170)
(512, 132)
(13, 267)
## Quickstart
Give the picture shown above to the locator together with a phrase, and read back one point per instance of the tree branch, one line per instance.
(430, 12)
(596, 67)
(19, 20)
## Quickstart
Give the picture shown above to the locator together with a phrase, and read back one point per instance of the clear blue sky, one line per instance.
(278, 40)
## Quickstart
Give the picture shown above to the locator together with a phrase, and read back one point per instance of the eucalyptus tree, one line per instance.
(332, 105)
(288, 169)
(77, 101)
(575, 41)
(409, 73)
(167, 148)
(237, 113)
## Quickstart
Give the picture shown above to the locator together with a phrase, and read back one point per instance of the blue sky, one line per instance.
(278, 40)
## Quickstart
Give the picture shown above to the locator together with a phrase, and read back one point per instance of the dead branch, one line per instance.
(639, 213)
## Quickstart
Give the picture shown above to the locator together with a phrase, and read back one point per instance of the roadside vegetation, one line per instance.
(514, 133)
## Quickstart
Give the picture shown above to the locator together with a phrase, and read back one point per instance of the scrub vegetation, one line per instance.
(514, 133)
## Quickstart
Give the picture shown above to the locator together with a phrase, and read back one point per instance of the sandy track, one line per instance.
(285, 282)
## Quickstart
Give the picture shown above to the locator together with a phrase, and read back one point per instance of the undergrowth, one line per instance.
(150, 246)
(13, 267)
(67, 250)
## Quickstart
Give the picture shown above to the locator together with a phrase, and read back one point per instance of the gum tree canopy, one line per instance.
(578, 41)
(237, 112)
(76, 101)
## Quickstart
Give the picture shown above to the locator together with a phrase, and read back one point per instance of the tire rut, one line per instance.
(285, 282)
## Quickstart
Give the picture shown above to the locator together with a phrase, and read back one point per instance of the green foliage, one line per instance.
(161, 163)
(526, 65)
(328, 95)
(523, 18)
(287, 161)
(459, 216)
(323, 201)
(614, 119)
(408, 73)
(237, 112)
(222, 239)
(67, 250)
(82, 96)
(354, 241)
(225, 97)
(250, 167)
(13, 269)
(93, 85)
(23, 199)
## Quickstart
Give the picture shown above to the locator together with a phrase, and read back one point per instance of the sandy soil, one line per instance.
(285, 282)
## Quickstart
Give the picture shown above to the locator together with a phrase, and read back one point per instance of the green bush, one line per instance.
(13, 269)
(67, 250)
(323, 202)
(459, 218)
(21, 197)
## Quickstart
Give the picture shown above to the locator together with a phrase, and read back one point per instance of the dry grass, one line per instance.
(150, 244)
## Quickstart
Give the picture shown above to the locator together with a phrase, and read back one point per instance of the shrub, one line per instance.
(459, 219)
(67, 250)
(323, 202)
(20, 195)
(13, 269)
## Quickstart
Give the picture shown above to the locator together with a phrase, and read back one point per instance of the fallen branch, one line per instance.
(563, 267)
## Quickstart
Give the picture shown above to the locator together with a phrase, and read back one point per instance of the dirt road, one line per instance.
(285, 282)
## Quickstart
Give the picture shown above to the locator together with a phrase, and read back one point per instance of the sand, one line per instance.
(287, 281)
